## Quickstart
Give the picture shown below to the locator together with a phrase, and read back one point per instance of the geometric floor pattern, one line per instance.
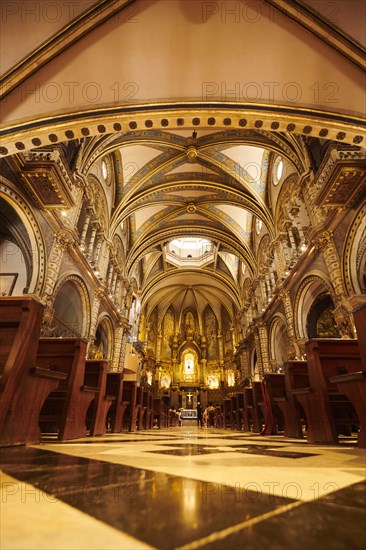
(183, 488)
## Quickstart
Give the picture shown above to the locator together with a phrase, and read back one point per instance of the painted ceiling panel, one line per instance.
(134, 158)
(239, 215)
(147, 214)
(189, 193)
(188, 167)
(232, 263)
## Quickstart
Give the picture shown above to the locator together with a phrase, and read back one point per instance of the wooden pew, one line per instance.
(240, 410)
(148, 403)
(159, 413)
(96, 375)
(342, 374)
(251, 417)
(352, 381)
(275, 388)
(296, 379)
(328, 411)
(24, 385)
(65, 409)
(114, 392)
(226, 413)
(233, 413)
(259, 404)
(140, 409)
(218, 417)
(129, 416)
(173, 418)
(359, 317)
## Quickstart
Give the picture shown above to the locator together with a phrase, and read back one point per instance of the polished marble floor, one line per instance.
(183, 488)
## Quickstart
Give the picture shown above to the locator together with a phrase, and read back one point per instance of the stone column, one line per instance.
(117, 363)
(118, 289)
(263, 344)
(279, 259)
(85, 227)
(100, 237)
(61, 244)
(110, 276)
(244, 362)
(325, 244)
(92, 239)
(221, 348)
(98, 296)
(292, 349)
(158, 344)
(114, 283)
(126, 333)
(259, 351)
(103, 263)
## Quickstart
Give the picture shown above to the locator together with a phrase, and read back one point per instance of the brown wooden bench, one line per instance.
(148, 404)
(129, 415)
(65, 409)
(274, 389)
(296, 380)
(24, 383)
(343, 368)
(160, 417)
(96, 376)
(328, 411)
(251, 416)
(114, 391)
(140, 409)
(218, 417)
(259, 404)
(226, 412)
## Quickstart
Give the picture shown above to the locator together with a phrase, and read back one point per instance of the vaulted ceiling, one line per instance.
(191, 106)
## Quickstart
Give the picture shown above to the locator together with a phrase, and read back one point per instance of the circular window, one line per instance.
(258, 226)
(277, 171)
(104, 169)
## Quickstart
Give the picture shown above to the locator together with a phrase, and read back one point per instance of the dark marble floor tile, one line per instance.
(168, 513)
(23, 457)
(353, 495)
(162, 510)
(306, 527)
(273, 452)
(187, 450)
(107, 440)
(58, 473)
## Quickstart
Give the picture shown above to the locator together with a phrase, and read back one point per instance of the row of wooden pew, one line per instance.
(48, 387)
(324, 396)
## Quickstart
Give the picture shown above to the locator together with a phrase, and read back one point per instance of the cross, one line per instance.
(189, 395)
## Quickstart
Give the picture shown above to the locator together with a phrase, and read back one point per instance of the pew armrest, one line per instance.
(349, 377)
(90, 389)
(47, 373)
(301, 391)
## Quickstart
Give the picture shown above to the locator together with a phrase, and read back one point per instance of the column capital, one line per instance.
(64, 240)
(323, 239)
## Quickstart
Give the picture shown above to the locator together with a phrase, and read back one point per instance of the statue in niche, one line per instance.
(190, 325)
(325, 325)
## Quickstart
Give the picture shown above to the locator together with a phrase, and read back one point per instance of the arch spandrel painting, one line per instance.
(168, 332)
(210, 324)
(150, 328)
(227, 333)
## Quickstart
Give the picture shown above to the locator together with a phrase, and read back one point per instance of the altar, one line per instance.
(189, 414)
(189, 400)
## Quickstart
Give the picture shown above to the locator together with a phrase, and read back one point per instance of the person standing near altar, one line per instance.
(199, 414)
